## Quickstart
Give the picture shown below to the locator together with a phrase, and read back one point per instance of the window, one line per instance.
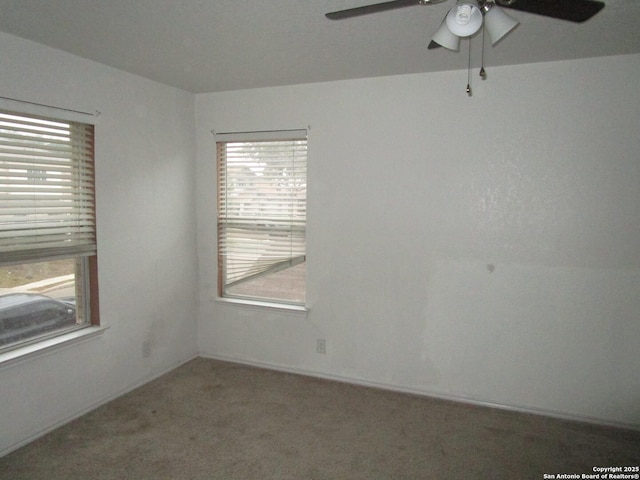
(48, 267)
(262, 205)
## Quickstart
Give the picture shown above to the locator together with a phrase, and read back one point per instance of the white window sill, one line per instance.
(51, 344)
(268, 306)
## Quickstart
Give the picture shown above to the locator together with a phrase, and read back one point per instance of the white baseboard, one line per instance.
(63, 421)
(425, 393)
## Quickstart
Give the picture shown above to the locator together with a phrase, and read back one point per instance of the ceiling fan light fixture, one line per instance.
(465, 18)
(445, 38)
(497, 22)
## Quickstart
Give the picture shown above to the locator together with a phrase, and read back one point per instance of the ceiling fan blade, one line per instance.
(571, 10)
(375, 8)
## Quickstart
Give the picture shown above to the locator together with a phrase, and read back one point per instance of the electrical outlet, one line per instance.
(321, 346)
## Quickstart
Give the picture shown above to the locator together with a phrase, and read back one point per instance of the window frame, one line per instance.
(86, 274)
(256, 137)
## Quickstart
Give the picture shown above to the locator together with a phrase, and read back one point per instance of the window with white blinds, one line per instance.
(48, 260)
(47, 207)
(262, 197)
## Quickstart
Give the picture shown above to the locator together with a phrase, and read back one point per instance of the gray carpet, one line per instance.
(215, 420)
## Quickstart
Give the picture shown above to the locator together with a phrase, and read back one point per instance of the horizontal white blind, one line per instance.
(262, 193)
(47, 206)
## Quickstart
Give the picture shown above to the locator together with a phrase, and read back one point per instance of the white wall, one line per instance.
(146, 238)
(483, 248)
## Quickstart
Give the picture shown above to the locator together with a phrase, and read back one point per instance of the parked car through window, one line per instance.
(26, 315)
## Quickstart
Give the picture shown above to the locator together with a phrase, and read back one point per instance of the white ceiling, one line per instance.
(216, 45)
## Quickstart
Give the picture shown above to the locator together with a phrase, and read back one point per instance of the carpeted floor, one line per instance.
(215, 420)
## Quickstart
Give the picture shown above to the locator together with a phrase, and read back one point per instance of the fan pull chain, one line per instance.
(483, 74)
(469, 71)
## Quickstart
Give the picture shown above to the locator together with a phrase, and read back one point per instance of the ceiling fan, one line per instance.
(571, 10)
(467, 17)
